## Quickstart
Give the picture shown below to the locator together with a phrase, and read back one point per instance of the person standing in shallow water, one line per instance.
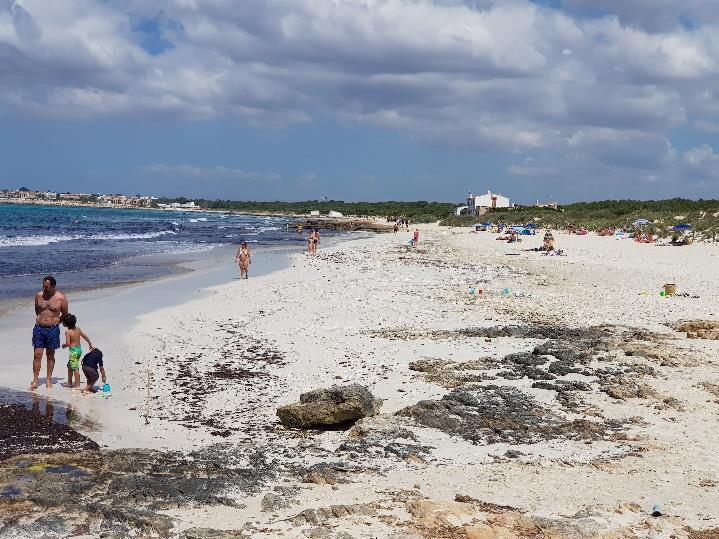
(243, 258)
(51, 308)
(311, 242)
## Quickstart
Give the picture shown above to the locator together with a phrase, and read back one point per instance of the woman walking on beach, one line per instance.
(243, 258)
(311, 242)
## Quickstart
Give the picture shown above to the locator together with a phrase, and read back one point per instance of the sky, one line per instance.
(560, 100)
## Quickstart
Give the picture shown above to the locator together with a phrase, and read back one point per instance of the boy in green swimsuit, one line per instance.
(72, 341)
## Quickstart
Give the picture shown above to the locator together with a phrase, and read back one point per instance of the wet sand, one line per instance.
(107, 315)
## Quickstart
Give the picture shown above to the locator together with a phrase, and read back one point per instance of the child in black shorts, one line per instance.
(91, 363)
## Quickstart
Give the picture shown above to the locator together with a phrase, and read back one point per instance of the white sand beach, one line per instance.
(108, 315)
(594, 413)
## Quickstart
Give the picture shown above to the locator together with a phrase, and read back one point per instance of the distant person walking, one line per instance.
(51, 308)
(243, 258)
(406, 222)
(311, 243)
(415, 237)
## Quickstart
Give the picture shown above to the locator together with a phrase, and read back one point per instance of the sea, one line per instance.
(85, 247)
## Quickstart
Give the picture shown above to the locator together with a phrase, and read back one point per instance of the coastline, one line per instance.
(591, 408)
(107, 314)
(348, 222)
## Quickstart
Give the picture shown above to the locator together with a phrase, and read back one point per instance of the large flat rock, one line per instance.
(337, 405)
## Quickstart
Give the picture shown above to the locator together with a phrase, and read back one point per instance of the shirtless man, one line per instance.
(50, 310)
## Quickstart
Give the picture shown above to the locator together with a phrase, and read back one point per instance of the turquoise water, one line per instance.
(88, 247)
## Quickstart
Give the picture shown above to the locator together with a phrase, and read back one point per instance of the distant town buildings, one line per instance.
(28, 196)
(475, 203)
(552, 205)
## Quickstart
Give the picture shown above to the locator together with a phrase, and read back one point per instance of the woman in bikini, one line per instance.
(243, 258)
(311, 242)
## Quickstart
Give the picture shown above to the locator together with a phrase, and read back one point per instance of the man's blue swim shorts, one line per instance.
(46, 337)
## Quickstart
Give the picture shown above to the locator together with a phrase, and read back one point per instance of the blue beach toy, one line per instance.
(506, 291)
(106, 388)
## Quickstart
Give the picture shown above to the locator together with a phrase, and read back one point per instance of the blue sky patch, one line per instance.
(151, 36)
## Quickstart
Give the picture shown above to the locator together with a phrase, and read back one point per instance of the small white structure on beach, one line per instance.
(488, 200)
(177, 206)
(314, 213)
(335, 214)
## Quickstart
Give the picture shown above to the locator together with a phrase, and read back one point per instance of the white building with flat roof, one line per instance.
(488, 200)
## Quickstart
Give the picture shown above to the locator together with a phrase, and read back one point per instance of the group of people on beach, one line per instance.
(243, 258)
(400, 222)
(51, 310)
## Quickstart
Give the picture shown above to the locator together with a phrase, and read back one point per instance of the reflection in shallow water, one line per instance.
(52, 410)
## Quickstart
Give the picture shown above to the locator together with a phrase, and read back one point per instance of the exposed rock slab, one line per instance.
(491, 414)
(699, 329)
(334, 406)
(121, 491)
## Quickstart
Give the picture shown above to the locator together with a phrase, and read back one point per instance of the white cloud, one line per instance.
(217, 173)
(701, 156)
(531, 171)
(633, 149)
(702, 164)
(608, 84)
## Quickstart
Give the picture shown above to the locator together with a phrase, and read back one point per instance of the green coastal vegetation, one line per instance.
(703, 215)
(417, 212)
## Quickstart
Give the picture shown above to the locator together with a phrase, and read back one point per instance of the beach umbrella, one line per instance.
(641, 222)
(530, 225)
(682, 226)
(487, 223)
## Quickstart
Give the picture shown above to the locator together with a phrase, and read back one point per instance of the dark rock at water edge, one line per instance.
(121, 493)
